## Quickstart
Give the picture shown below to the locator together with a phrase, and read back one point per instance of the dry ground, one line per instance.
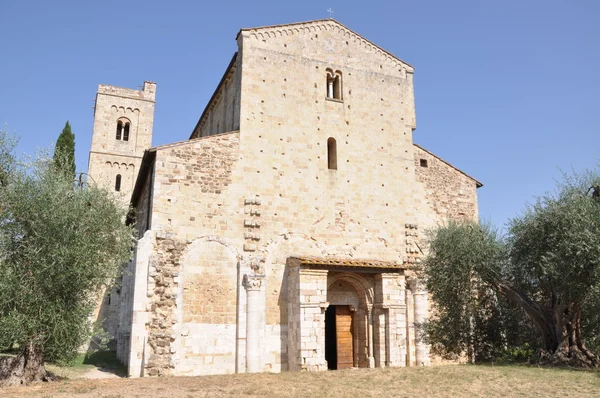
(442, 381)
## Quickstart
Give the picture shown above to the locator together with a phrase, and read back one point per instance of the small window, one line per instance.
(118, 183)
(423, 162)
(126, 132)
(119, 129)
(331, 154)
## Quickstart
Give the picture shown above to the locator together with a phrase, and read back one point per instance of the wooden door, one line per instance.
(345, 341)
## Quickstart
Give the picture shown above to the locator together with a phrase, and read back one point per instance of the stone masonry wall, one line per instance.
(163, 285)
(444, 192)
(223, 112)
(186, 174)
(191, 183)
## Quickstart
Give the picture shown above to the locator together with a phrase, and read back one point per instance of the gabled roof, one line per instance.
(216, 94)
(477, 183)
(299, 27)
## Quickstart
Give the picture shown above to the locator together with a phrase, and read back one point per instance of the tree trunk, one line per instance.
(24, 368)
(560, 327)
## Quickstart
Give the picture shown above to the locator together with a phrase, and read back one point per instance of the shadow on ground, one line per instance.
(105, 361)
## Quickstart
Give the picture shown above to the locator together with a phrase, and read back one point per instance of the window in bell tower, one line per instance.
(123, 126)
(126, 132)
(118, 183)
(119, 129)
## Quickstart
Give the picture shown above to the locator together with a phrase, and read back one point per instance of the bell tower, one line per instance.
(123, 120)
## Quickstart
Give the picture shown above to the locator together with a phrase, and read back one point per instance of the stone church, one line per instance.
(284, 233)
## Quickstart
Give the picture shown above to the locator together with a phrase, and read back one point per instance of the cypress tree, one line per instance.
(64, 151)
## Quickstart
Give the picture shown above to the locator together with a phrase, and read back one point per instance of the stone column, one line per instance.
(410, 324)
(421, 302)
(253, 285)
(370, 338)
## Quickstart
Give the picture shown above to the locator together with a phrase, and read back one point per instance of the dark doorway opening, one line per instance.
(339, 340)
(330, 338)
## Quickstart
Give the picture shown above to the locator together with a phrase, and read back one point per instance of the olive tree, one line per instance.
(59, 246)
(548, 266)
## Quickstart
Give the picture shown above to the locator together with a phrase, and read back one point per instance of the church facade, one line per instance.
(286, 232)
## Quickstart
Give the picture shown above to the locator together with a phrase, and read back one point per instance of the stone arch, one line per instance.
(363, 288)
(362, 314)
(343, 293)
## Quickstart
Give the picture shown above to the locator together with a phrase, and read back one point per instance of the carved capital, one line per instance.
(417, 285)
(252, 282)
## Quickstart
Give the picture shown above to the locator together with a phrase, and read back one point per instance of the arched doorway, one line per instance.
(346, 342)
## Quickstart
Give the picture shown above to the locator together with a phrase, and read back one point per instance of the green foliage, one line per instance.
(469, 311)
(64, 152)
(498, 297)
(59, 247)
(521, 353)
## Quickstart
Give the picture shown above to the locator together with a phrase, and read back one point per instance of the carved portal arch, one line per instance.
(363, 288)
(364, 291)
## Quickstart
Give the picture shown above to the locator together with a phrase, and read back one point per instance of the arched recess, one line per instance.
(207, 306)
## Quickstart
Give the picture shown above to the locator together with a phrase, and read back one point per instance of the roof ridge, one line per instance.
(189, 140)
(449, 164)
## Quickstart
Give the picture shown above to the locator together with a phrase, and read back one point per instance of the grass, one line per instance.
(458, 381)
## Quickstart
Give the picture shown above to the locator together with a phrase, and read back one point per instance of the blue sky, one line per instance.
(508, 91)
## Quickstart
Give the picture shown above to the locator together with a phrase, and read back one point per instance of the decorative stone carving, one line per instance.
(251, 236)
(253, 282)
(251, 223)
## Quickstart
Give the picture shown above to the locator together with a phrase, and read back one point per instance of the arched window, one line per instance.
(126, 132)
(333, 84)
(118, 183)
(123, 127)
(119, 129)
(329, 83)
(337, 85)
(331, 154)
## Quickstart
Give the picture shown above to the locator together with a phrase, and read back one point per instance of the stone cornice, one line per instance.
(319, 25)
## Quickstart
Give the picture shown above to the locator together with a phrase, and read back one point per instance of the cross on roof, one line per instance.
(330, 11)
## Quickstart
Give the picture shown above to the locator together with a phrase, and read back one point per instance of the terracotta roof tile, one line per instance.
(344, 262)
